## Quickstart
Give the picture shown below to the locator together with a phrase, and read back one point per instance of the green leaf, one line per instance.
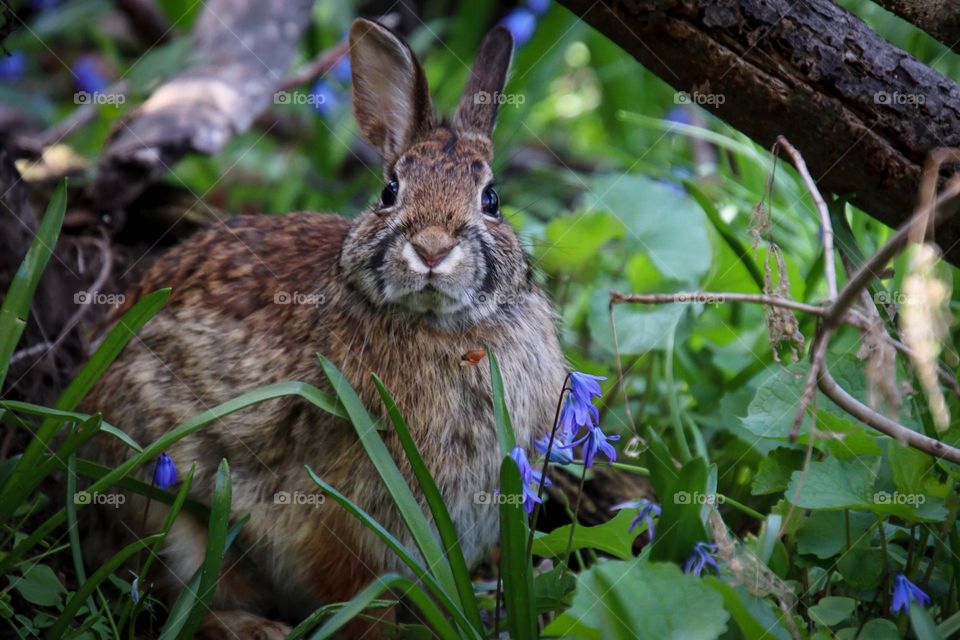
(862, 567)
(755, 616)
(515, 563)
(38, 585)
(640, 328)
(393, 479)
(661, 221)
(501, 414)
(823, 533)
(680, 493)
(571, 242)
(922, 624)
(16, 304)
(641, 600)
(610, 537)
(773, 474)
(553, 589)
(832, 610)
(441, 516)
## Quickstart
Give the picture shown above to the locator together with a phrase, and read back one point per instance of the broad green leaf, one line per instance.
(640, 328)
(755, 617)
(554, 589)
(832, 610)
(773, 473)
(824, 533)
(862, 566)
(501, 413)
(641, 600)
(922, 624)
(38, 585)
(610, 537)
(661, 221)
(571, 242)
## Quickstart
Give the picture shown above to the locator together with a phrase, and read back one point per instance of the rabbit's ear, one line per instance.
(477, 110)
(391, 101)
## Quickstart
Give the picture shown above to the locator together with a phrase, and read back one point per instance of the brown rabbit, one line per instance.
(426, 275)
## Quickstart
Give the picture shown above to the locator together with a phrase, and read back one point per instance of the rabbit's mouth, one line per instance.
(431, 299)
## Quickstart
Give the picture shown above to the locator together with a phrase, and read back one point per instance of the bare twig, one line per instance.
(711, 297)
(882, 423)
(829, 263)
(316, 68)
(818, 352)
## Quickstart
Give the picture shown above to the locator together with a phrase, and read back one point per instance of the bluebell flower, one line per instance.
(324, 98)
(164, 472)
(135, 590)
(12, 66)
(648, 510)
(585, 387)
(341, 70)
(539, 7)
(521, 23)
(593, 441)
(904, 591)
(679, 114)
(559, 452)
(700, 559)
(528, 477)
(86, 73)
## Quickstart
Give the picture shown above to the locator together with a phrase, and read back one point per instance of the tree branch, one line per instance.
(939, 18)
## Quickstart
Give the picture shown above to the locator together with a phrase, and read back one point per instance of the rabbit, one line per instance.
(429, 273)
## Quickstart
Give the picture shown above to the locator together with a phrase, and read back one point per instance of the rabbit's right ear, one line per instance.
(391, 101)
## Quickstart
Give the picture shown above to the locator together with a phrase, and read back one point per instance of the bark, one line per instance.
(242, 48)
(939, 18)
(863, 113)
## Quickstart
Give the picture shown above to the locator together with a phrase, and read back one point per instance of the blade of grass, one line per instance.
(500, 413)
(16, 304)
(15, 406)
(187, 599)
(87, 588)
(405, 555)
(441, 516)
(371, 593)
(151, 451)
(311, 621)
(25, 476)
(393, 479)
(515, 561)
(73, 531)
(216, 548)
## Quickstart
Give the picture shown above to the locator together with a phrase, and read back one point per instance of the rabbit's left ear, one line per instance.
(477, 110)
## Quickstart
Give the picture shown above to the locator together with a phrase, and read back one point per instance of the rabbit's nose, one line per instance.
(433, 245)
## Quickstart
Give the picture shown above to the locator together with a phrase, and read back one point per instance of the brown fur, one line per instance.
(255, 299)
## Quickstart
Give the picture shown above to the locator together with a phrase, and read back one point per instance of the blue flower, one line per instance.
(164, 472)
(646, 514)
(324, 98)
(341, 70)
(12, 66)
(904, 591)
(559, 452)
(700, 559)
(539, 7)
(521, 23)
(135, 590)
(596, 440)
(86, 73)
(585, 387)
(528, 476)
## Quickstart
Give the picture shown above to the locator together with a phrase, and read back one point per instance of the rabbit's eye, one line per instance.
(490, 202)
(389, 194)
